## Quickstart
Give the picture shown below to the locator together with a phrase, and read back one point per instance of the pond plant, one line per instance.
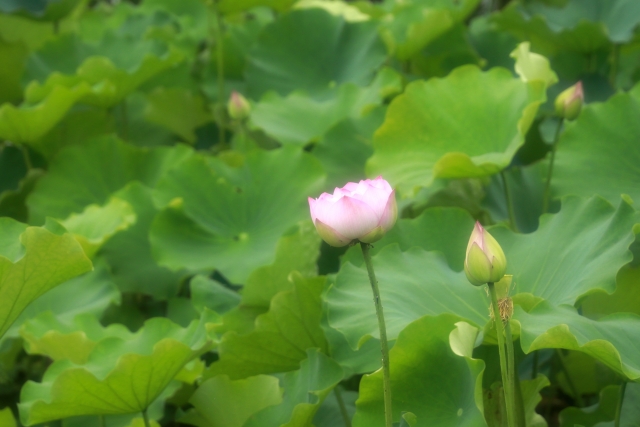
(165, 258)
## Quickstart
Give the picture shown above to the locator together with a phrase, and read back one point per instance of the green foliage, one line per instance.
(124, 375)
(33, 260)
(445, 127)
(157, 260)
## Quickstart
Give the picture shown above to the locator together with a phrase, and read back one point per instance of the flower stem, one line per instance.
(220, 70)
(507, 197)
(145, 418)
(341, 405)
(623, 387)
(513, 379)
(506, 380)
(384, 347)
(572, 386)
(534, 368)
(547, 186)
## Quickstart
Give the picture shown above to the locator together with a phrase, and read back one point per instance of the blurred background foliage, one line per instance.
(114, 129)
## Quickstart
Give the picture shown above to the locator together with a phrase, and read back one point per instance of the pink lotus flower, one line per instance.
(364, 211)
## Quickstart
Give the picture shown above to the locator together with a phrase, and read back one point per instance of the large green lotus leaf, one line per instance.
(574, 252)
(81, 123)
(442, 229)
(97, 224)
(296, 251)
(432, 375)
(625, 299)
(304, 391)
(348, 52)
(162, 109)
(90, 293)
(618, 17)
(339, 8)
(208, 293)
(330, 413)
(526, 188)
(344, 149)
(586, 162)
(468, 124)
(191, 16)
(412, 284)
(129, 253)
(602, 411)
(13, 56)
(613, 340)
(412, 25)
(28, 122)
(90, 174)
(41, 10)
(74, 340)
(281, 336)
(123, 376)
(230, 218)
(299, 118)
(447, 52)
(6, 418)
(490, 43)
(44, 261)
(155, 412)
(533, 66)
(235, 6)
(16, 29)
(111, 69)
(494, 407)
(583, 36)
(221, 402)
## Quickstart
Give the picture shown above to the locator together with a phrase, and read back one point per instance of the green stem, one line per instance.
(26, 156)
(384, 347)
(513, 377)
(220, 71)
(547, 186)
(613, 75)
(572, 386)
(145, 418)
(623, 387)
(102, 422)
(534, 369)
(507, 197)
(125, 119)
(506, 382)
(341, 405)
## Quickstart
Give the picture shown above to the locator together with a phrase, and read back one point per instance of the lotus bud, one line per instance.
(569, 103)
(362, 211)
(485, 262)
(238, 106)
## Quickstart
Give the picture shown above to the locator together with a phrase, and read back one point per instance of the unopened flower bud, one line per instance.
(485, 261)
(238, 106)
(569, 103)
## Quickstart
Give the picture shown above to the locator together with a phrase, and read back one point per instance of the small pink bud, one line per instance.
(569, 103)
(485, 261)
(238, 106)
(364, 211)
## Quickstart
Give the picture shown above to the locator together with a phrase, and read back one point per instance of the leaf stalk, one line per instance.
(504, 366)
(547, 185)
(384, 346)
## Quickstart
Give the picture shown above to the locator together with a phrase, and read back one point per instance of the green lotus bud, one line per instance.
(485, 261)
(238, 106)
(569, 103)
